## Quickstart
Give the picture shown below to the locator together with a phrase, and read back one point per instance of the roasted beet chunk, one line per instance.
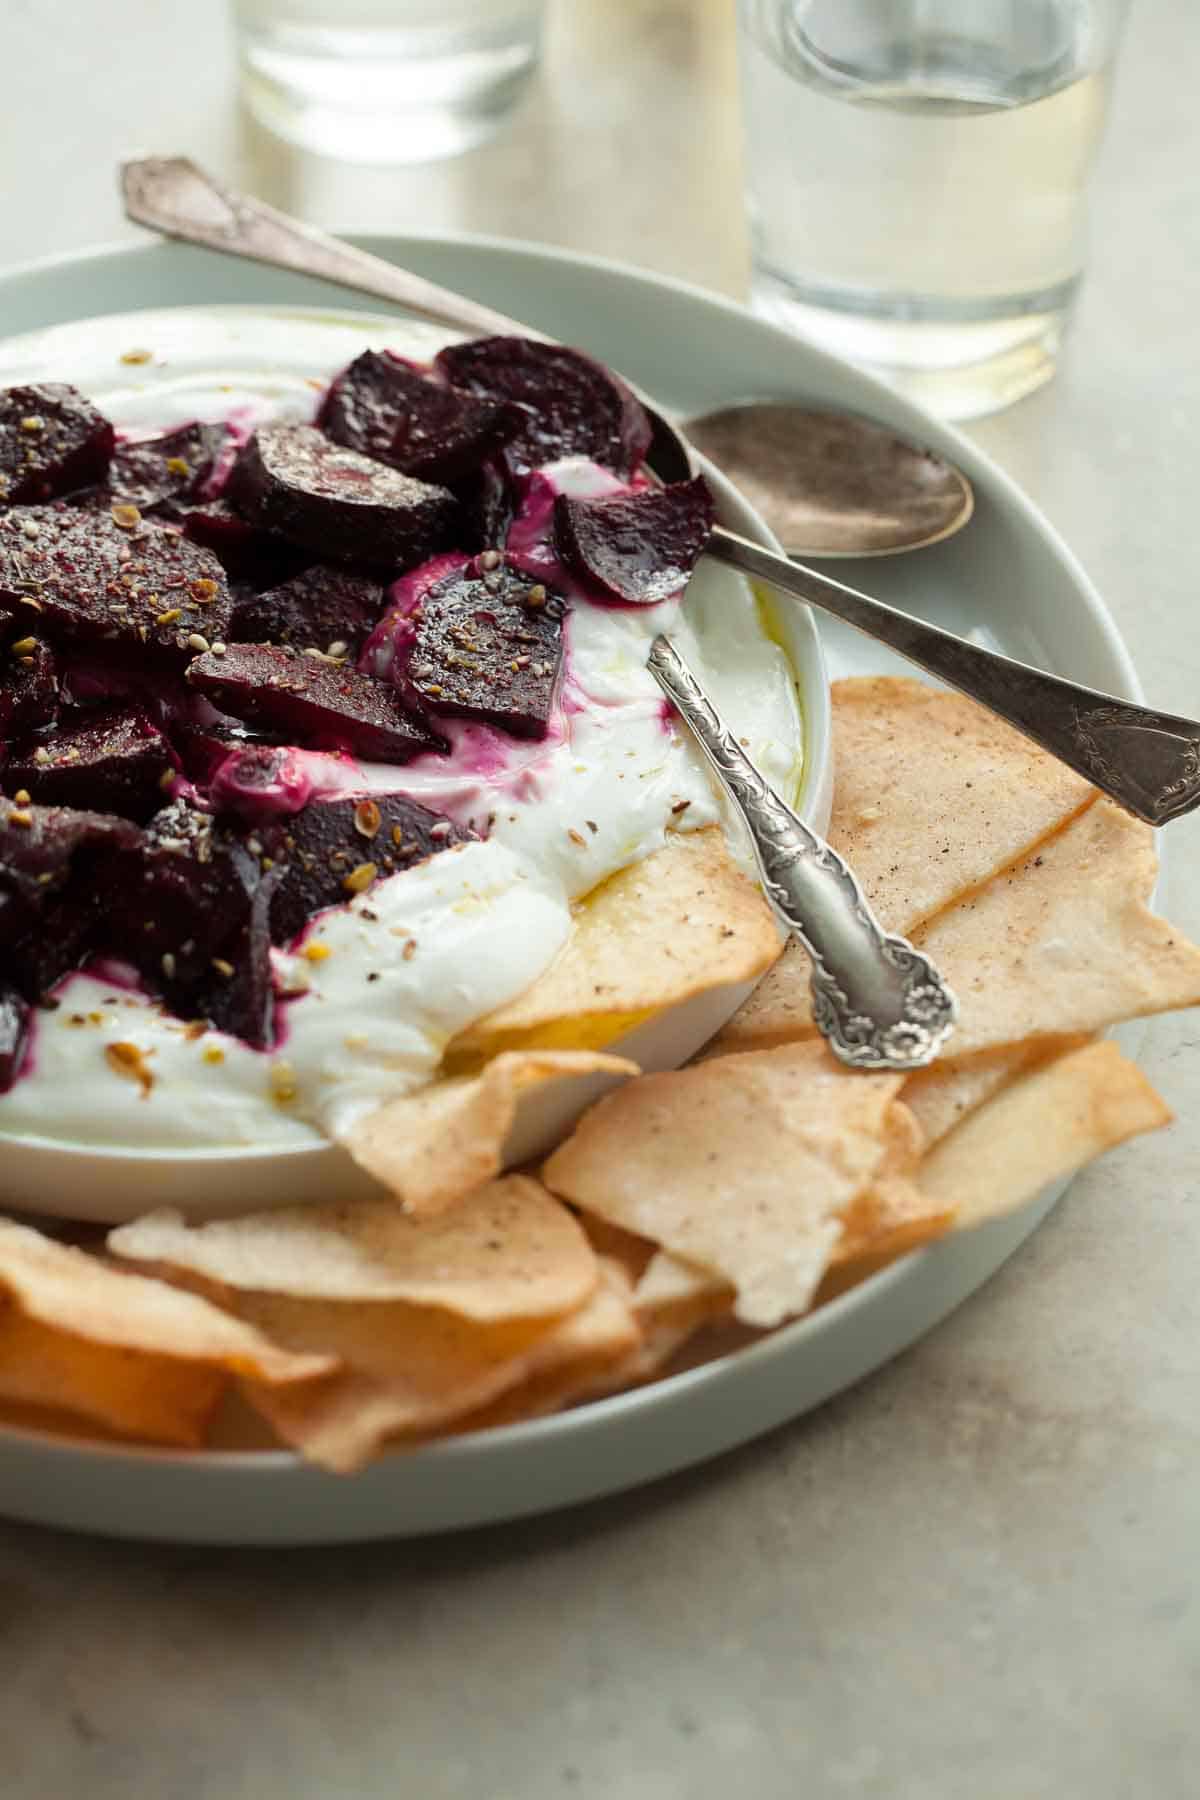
(39, 848)
(338, 504)
(113, 760)
(182, 906)
(487, 508)
(384, 408)
(319, 702)
(487, 645)
(335, 849)
(163, 474)
(571, 405)
(262, 559)
(29, 693)
(89, 578)
(235, 991)
(51, 440)
(638, 547)
(322, 609)
(14, 1033)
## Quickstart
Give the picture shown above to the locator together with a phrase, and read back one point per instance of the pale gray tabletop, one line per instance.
(977, 1573)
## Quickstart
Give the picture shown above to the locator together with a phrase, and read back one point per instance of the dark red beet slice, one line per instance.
(314, 700)
(38, 848)
(235, 992)
(342, 506)
(164, 474)
(572, 406)
(182, 893)
(14, 1034)
(263, 559)
(487, 645)
(335, 849)
(385, 409)
(29, 693)
(67, 933)
(51, 440)
(320, 609)
(112, 760)
(90, 579)
(487, 507)
(639, 548)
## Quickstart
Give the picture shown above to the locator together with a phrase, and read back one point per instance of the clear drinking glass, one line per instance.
(386, 81)
(917, 174)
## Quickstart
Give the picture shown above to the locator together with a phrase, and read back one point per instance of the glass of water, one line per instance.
(386, 81)
(917, 174)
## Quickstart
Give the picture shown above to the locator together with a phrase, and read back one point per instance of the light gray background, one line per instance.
(978, 1572)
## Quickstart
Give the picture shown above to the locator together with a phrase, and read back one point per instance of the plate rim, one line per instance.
(275, 1464)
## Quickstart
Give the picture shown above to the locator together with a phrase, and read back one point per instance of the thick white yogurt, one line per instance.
(380, 985)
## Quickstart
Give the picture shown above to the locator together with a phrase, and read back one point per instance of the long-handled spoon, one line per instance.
(1148, 761)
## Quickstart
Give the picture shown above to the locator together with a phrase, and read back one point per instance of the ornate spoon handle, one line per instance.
(172, 195)
(880, 1003)
(1147, 761)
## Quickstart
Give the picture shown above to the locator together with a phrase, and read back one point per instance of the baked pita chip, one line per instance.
(680, 922)
(588, 1354)
(1064, 942)
(933, 796)
(509, 1251)
(742, 1166)
(132, 1354)
(432, 1147)
(941, 1096)
(1041, 1128)
(403, 1371)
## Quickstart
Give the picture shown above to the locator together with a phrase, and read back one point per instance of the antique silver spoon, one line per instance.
(880, 1003)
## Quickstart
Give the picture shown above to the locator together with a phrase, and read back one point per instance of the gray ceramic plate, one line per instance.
(1009, 580)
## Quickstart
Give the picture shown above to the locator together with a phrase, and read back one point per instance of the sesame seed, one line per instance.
(198, 642)
(397, 836)
(127, 517)
(490, 559)
(536, 596)
(136, 356)
(218, 648)
(409, 950)
(30, 529)
(41, 754)
(214, 1054)
(316, 952)
(178, 465)
(169, 617)
(576, 837)
(22, 797)
(338, 648)
(20, 818)
(442, 829)
(24, 646)
(168, 965)
(33, 422)
(222, 967)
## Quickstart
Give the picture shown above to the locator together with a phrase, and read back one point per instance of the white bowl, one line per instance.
(201, 352)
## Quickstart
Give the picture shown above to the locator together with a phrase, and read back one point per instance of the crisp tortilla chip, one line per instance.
(743, 1166)
(510, 1250)
(941, 1096)
(1046, 1125)
(634, 1254)
(676, 924)
(131, 1353)
(434, 1146)
(1064, 942)
(587, 1355)
(933, 796)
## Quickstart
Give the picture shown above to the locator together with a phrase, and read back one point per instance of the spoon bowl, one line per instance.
(834, 484)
